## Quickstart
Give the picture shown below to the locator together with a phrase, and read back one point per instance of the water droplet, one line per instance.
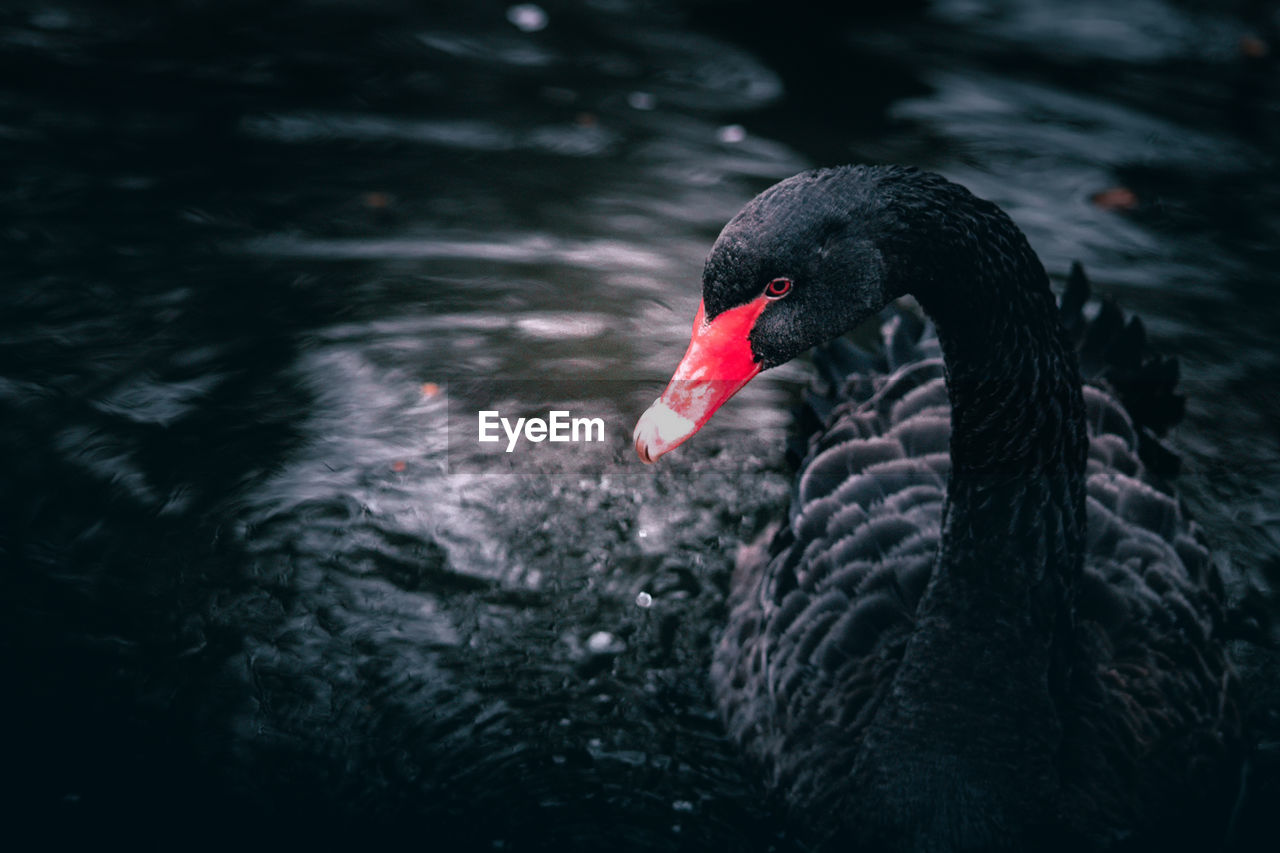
(527, 17)
(602, 642)
(731, 133)
(641, 101)
(644, 599)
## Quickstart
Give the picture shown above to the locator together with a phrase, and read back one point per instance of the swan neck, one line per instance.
(1015, 501)
(1013, 525)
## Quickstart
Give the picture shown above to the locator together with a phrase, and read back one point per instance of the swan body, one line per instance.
(986, 623)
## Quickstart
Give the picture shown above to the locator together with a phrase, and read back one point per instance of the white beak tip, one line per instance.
(659, 430)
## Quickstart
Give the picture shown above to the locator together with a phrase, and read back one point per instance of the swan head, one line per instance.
(797, 266)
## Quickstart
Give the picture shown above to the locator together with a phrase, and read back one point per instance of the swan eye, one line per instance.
(778, 288)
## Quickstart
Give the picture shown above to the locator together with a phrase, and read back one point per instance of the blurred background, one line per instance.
(251, 593)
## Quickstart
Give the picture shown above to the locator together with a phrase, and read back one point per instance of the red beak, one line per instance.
(717, 364)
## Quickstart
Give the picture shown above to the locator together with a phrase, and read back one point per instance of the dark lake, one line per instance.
(264, 262)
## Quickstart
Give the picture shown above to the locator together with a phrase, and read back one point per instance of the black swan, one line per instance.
(985, 624)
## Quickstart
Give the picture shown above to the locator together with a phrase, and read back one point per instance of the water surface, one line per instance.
(254, 584)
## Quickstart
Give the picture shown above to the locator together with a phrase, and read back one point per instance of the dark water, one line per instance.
(257, 589)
